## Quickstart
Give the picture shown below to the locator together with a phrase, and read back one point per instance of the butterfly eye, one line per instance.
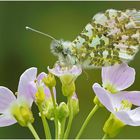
(56, 48)
(59, 49)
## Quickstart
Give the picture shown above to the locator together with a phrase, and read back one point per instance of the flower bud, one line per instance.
(49, 81)
(97, 102)
(62, 111)
(23, 115)
(40, 95)
(113, 126)
(68, 89)
(75, 104)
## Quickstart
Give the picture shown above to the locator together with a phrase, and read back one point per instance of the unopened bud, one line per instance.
(75, 104)
(48, 109)
(62, 111)
(49, 80)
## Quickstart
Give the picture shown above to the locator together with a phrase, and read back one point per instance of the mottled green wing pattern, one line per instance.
(110, 38)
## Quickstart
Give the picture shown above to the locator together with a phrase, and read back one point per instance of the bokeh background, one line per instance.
(21, 49)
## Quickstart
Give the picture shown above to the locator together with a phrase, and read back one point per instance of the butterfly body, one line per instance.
(110, 38)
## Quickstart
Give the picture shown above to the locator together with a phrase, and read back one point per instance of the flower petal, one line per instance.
(103, 96)
(41, 76)
(6, 120)
(121, 76)
(26, 85)
(6, 98)
(131, 117)
(76, 70)
(47, 92)
(132, 96)
(58, 71)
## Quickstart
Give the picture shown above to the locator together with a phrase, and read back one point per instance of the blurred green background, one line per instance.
(21, 49)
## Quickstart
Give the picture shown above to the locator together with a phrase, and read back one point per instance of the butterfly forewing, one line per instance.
(110, 38)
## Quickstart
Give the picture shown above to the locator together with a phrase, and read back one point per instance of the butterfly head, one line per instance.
(63, 50)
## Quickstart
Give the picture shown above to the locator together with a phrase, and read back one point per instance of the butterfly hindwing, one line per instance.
(111, 37)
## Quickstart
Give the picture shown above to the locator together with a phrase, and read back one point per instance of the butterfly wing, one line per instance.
(110, 38)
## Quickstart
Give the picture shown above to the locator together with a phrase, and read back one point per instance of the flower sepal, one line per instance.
(22, 114)
(97, 102)
(67, 78)
(68, 89)
(113, 126)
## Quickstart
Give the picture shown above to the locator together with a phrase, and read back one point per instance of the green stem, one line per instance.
(31, 128)
(62, 129)
(45, 124)
(55, 119)
(70, 119)
(105, 136)
(87, 121)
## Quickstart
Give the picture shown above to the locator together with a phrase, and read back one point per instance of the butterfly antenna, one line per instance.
(39, 32)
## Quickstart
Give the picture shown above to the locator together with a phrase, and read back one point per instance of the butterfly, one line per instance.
(111, 37)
